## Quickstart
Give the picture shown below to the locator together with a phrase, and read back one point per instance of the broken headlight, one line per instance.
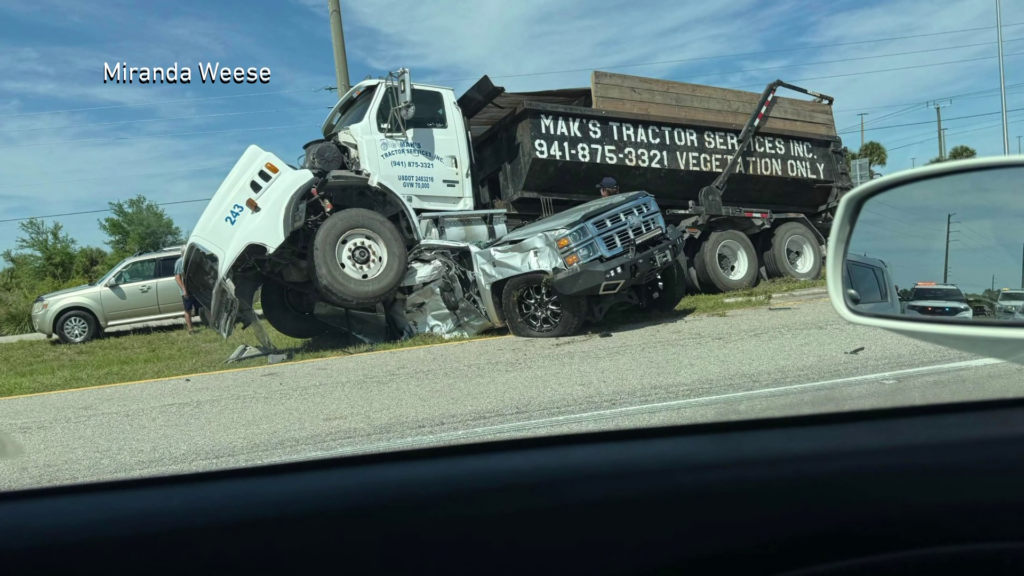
(574, 237)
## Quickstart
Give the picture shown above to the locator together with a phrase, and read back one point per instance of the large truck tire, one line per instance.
(358, 258)
(534, 310)
(290, 311)
(726, 261)
(673, 286)
(793, 252)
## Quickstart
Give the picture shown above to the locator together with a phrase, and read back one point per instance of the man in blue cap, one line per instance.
(608, 186)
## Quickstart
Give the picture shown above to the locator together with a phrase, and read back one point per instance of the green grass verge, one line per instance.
(761, 295)
(33, 366)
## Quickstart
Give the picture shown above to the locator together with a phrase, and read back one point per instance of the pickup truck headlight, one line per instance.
(582, 254)
(575, 237)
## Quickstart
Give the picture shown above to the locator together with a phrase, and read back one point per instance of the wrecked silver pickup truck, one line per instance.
(544, 279)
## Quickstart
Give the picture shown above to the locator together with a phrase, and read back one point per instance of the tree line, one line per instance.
(878, 156)
(46, 258)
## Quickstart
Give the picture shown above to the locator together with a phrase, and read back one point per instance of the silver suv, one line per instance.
(139, 289)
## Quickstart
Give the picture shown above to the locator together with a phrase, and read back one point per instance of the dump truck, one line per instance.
(743, 182)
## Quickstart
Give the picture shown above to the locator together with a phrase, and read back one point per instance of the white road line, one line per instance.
(441, 439)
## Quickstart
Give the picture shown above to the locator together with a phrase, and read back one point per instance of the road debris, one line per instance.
(605, 335)
(854, 351)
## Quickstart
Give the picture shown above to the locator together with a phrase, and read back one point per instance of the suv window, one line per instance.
(1011, 295)
(165, 268)
(429, 110)
(137, 271)
(866, 281)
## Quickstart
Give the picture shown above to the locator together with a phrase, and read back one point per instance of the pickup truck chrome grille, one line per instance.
(617, 229)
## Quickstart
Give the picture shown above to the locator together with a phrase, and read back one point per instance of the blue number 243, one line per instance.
(236, 211)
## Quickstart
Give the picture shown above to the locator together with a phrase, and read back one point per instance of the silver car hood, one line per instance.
(569, 218)
(67, 291)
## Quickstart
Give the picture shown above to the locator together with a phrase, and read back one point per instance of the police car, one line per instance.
(937, 301)
(1009, 304)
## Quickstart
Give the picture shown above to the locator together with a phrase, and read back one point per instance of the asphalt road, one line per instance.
(751, 363)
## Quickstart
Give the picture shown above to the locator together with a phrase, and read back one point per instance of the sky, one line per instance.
(70, 143)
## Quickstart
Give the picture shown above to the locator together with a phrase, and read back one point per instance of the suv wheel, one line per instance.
(76, 327)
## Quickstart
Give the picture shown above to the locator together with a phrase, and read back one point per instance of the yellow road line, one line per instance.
(229, 370)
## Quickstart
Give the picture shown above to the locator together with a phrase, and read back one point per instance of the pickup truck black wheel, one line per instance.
(793, 252)
(665, 293)
(76, 327)
(358, 258)
(726, 261)
(290, 311)
(533, 309)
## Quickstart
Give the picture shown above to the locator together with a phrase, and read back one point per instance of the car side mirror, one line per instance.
(853, 295)
(946, 229)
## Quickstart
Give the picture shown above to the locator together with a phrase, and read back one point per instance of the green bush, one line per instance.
(16, 299)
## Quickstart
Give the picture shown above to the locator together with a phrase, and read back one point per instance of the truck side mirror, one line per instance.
(405, 105)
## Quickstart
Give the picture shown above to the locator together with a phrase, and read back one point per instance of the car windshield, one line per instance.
(941, 294)
(514, 221)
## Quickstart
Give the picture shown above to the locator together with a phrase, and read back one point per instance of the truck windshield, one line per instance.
(351, 113)
(1011, 295)
(942, 294)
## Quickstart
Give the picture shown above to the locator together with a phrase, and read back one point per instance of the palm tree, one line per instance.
(875, 153)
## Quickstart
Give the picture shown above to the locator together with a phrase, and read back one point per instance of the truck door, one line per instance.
(427, 160)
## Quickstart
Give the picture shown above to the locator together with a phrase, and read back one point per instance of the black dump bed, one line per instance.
(668, 138)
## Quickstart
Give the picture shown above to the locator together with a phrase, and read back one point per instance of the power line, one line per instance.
(966, 96)
(931, 121)
(953, 134)
(159, 103)
(688, 76)
(119, 176)
(859, 222)
(99, 211)
(168, 118)
(884, 70)
(902, 221)
(720, 56)
(158, 136)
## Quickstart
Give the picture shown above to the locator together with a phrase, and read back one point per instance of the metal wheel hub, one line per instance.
(539, 308)
(361, 254)
(76, 328)
(800, 254)
(732, 260)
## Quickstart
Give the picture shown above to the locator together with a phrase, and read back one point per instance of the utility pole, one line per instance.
(1022, 270)
(938, 116)
(1002, 77)
(944, 152)
(913, 162)
(993, 282)
(338, 39)
(862, 115)
(1018, 144)
(945, 267)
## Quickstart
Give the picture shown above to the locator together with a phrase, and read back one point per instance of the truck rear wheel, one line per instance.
(290, 311)
(358, 258)
(533, 309)
(726, 261)
(793, 252)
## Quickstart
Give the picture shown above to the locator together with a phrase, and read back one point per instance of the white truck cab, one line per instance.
(428, 163)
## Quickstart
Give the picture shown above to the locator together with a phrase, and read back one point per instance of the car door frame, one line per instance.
(168, 306)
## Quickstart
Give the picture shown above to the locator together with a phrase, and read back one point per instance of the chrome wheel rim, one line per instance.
(76, 328)
(539, 308)
(800, 254)
(361, 254)
(732, 260)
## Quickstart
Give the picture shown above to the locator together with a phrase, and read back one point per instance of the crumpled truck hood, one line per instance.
(227, 227)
